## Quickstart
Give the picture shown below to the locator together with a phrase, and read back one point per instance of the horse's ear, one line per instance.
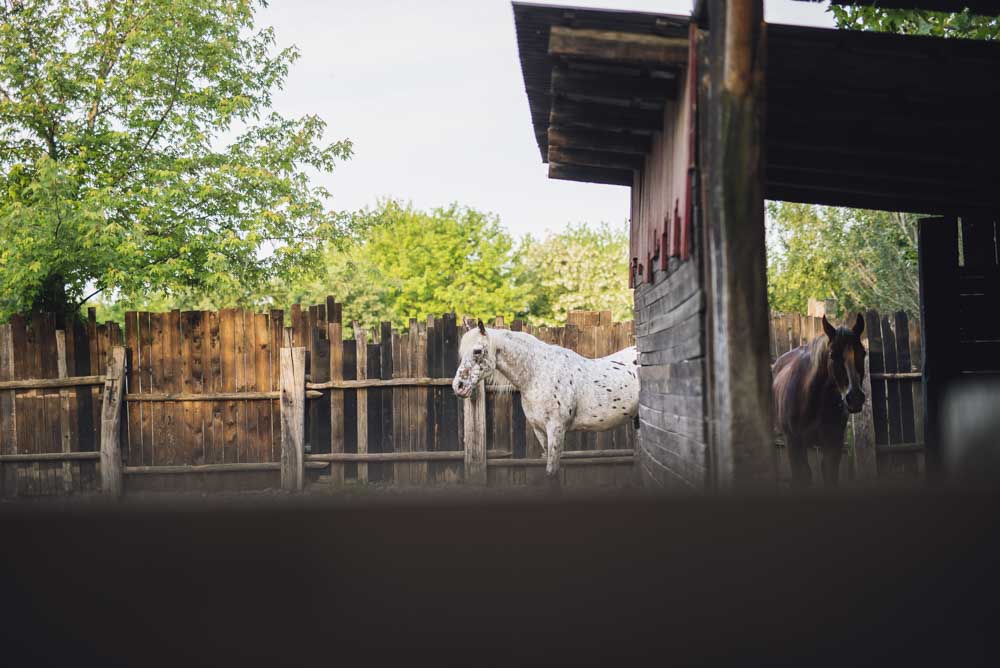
(831, 331)
(859, 326)
(482, 328)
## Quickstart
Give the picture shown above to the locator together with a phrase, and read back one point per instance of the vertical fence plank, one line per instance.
(475, 437)
(386, 397)
(876, 362)
(916, 360)
(361, 343)
(230, 411)
(172, 361)
(434, 395)
(212, 382)
(145, 378)
(8, 412)
(293, 397)
(276, 323)
(420, 471)
(192, 382)
(376, 471)
(158, 412)
(892, 386)
(245, 446)
(133, 455)
(400, 426)
(319, 411)
(350, 421)
(335, 336)
(111, 458)
(905, 365)
(65, 423)
(261, 382)
(450, 425)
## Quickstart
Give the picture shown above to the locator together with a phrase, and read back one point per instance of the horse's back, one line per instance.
(786, 376)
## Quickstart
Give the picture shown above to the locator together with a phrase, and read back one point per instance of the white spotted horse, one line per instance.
(561, 391)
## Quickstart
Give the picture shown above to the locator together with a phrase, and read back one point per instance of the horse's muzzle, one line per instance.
(462, 389)
(855, 401)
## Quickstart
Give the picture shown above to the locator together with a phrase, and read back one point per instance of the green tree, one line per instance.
(411, 263)
(115, 165)
(962, 24)
(863, 259)
(580, 268)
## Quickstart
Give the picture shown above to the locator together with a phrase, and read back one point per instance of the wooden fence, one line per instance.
(206, 403)
(206, 394)
(885, 439)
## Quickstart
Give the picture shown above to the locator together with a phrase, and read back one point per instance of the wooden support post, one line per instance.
(475, 437)
(111, 413)
(293, 418)
(731, 126)
(64, 406)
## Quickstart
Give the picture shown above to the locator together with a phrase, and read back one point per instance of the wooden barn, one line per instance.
(704, 117)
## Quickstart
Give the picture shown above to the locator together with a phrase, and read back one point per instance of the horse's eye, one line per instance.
(477, 351)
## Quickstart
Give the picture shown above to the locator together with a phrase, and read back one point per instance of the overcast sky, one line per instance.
(431, 94)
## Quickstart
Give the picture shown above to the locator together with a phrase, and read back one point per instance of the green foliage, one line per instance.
(411, 264)
(112, 164)
(962, 24)
(405, 263)
(863, 259)
(580, 268)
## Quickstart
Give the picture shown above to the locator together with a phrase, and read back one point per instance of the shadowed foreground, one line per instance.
(278, 580)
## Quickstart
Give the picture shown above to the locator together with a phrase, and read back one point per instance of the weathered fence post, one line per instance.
(64, 421)
(475, 437)
(293, 418)
(111, 412)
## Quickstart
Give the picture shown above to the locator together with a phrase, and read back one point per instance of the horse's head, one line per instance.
(847, 362)
(478, 360)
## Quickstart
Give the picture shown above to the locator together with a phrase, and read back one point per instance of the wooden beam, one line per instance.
(742, 452)
(51, 457)
(111, 410)
(595, 140)
(33, 383)
(604, 117)
(617, 47)
(598, 88)
(450, 455)
(474, 428)
(244, 467)
(212, 396)
(588, 158)
(614, 177)
(293, 405)
(629, 459)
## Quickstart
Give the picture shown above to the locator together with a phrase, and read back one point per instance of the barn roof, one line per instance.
(533, 24)
(861, 119)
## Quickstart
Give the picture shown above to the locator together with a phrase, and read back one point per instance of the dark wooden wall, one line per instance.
(669, 309)
(959, 300)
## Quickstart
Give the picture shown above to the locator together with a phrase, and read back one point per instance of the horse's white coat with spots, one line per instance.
(561, 391)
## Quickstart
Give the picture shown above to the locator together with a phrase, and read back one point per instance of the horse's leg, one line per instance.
(540, 435)
(832, 452)
(555, 433)
(798, 457)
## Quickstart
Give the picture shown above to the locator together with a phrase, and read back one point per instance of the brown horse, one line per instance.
(815, 386)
